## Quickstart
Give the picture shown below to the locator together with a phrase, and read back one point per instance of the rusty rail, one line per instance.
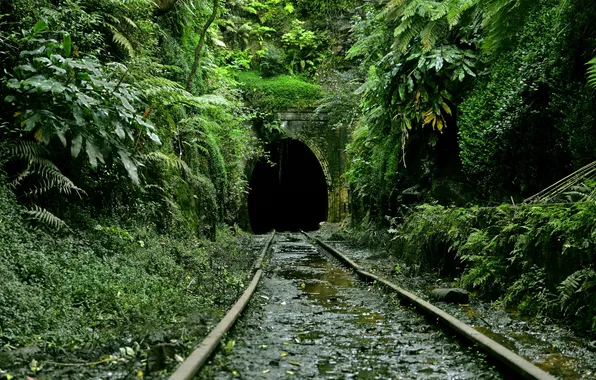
(515, 362)
(191, 366)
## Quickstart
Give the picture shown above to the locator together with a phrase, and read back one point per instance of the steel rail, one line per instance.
(191, 366)
(515, 362)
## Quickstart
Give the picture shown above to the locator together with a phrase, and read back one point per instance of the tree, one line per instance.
(200, 45)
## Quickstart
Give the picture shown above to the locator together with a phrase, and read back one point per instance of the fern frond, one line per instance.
(19, 179)
(50, 176)
(130, 22)
(572, 284)
(428, 35)
(592, 72)
(44, 216)
(170, 161)
(163, 92)
(123, 42)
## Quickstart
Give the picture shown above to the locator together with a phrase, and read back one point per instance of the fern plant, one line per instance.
(592, 72)
(578, 281)
(427, 21)
(44, 216)
(49, 177)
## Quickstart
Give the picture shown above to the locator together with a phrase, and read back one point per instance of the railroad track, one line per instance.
(317, 316)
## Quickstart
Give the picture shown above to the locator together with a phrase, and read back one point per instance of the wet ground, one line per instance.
(553, 348)
(311, 318)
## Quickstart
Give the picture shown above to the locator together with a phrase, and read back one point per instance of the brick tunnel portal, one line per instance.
(288, 193)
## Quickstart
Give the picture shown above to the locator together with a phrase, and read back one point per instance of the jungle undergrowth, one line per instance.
(534, 259)
(110, 291)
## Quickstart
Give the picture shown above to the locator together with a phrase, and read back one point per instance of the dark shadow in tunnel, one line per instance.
(291, 194)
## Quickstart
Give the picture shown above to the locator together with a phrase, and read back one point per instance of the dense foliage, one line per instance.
(505, 72)
(127, 127)
(125, 132)
(537, 258)
(91, 293)
(480, 102)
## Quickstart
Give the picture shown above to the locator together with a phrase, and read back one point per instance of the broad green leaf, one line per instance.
(30, 123)
(154, 137)
(131, 169)
(27, 68)
(119, 130)
(13, 84)
(10, 99)
(43, 60)
(39, 82)
(33, 52)
(93, 153)
(86, 101)
(58, 88)
(76, 145)
(469, 71)
(402, 91)
(59, 71)
(40, 26)
(125, 102)
(78, 116)
(57, 58)
(61, 137)
(67, 44)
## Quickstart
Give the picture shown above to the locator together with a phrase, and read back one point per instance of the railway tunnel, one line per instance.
(289, 191)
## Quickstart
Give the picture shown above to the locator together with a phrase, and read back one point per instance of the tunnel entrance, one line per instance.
(290, 193)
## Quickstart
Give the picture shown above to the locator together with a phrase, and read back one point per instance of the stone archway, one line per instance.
(320, 157)
(328, 144)
(289, 191)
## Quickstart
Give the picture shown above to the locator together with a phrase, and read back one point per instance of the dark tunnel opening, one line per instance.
(291, 194)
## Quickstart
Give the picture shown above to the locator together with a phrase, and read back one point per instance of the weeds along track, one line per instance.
(312, 317)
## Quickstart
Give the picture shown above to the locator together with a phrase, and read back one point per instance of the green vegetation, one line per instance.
(537, 258)
(127, 127)
(279, 93)
(506, 89)
(111, 284)
(125, 131)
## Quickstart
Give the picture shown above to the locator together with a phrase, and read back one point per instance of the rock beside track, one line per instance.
(452, 295)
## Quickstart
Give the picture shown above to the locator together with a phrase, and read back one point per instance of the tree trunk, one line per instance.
(199, 48)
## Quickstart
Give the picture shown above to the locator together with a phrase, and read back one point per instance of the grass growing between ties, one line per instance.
(123, 295)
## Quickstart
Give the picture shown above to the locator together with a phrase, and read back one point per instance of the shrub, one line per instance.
(539, 258)
(279, 93)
